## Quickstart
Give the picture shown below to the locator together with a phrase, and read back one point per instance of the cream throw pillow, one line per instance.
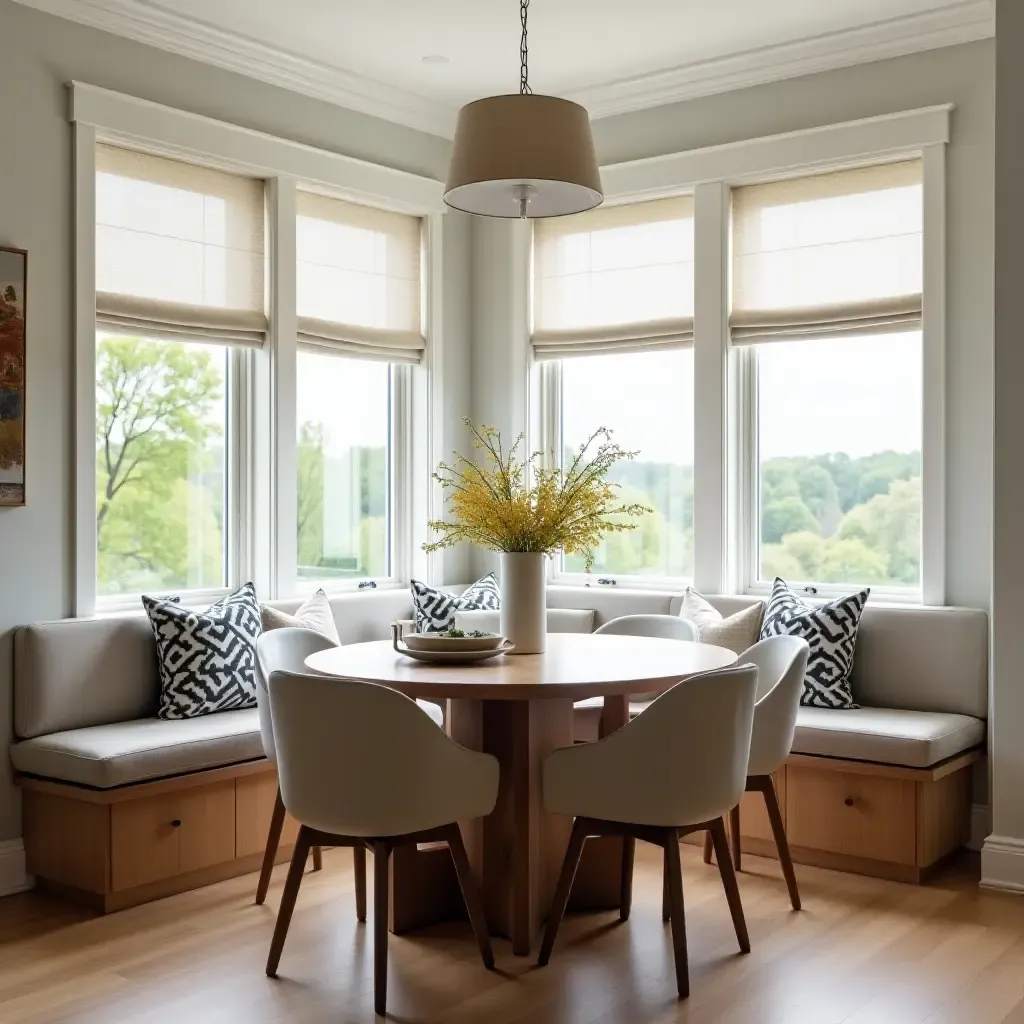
(313, 613)
(737, 632)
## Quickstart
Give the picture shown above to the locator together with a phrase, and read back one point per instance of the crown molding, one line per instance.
(166, 30)
(965, 21)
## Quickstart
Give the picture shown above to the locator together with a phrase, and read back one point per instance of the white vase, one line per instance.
(524, 601)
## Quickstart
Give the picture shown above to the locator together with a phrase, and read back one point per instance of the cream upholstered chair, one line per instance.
(675, 769)
(361, 765)
(666, 627)
(288, 648)
(781, 665)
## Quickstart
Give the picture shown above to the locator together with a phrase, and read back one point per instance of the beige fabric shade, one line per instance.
(543, 142)
(387, 345)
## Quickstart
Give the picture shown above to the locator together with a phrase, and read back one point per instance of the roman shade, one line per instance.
(358, 289)
(180, 250)
(833, 253)
(615, 279)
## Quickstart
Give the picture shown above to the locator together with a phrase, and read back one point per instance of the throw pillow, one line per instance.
(435, 610)
(737, 632)
(206, 658)
(831, 631)
(314, 613)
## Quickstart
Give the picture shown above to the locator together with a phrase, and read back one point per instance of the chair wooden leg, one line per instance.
(318, 859)
(561, 900)
(708, 847)
(359, 873)
(674, 874)
(732, 889)
(471, 895)
(626, 881)
(270, 853)
(666, 910)
(381, 855)
(771, 801)
(734, 837)
(288, 897)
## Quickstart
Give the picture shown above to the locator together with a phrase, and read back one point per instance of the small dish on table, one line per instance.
(451, 647)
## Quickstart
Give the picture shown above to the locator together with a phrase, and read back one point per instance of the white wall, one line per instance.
(1003, 855)
(962, 75)
(38, 55)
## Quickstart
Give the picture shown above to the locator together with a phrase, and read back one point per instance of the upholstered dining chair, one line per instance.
(361, 765)
(781, 664)
(666, 627)
(287, 648)
(675, 769)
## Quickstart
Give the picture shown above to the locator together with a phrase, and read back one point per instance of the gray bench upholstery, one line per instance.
(85, 692)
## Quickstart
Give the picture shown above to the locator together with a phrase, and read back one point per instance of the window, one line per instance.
(344, 468)
(180, 284)
(613, 319)
(358, 302)
(827, 280)
(645, 396)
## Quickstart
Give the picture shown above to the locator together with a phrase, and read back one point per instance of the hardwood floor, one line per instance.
(862, 951)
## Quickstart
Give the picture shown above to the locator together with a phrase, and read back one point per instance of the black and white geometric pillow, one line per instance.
(831, 631)
(207, 659)
(435, 610)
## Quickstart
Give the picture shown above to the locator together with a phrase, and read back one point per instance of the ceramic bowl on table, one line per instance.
(445, 650)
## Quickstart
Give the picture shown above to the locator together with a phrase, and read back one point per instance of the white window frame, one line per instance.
(724, 450)
(262, 463)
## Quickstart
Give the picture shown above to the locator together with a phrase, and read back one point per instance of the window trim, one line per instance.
(722, 400)
(262, 534)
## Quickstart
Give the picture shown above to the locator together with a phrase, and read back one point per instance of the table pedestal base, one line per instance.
(516, 852)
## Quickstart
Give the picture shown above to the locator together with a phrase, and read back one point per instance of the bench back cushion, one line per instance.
(362, 616)
(79, 672)
(919, 659)
(610, 602)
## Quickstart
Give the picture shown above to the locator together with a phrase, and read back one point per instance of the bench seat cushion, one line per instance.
(914, 739)
(103, 756)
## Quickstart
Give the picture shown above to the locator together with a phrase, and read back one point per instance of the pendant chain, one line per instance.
(524, 53)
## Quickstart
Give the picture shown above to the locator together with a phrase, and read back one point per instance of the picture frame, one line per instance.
(13, 309)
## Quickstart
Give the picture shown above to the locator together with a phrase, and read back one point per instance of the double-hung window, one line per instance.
(358, 298)
(180, 285)
(826, 314)
(613, 328)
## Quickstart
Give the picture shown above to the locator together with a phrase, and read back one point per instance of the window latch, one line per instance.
(810, 590)
(607, 581)
(368, 585)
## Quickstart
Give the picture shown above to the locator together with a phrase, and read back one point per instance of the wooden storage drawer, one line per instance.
(254, 805)
(867, 816)
(171, 833)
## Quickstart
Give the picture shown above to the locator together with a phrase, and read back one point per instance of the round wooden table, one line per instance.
(519, 708)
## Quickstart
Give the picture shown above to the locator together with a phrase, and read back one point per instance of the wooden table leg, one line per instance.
(598, 884)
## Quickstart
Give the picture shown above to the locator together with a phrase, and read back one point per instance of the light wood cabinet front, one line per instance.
(855, 815)
(161, 836)
(254, 804)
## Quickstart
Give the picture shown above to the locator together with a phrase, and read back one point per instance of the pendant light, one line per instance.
(523, 155)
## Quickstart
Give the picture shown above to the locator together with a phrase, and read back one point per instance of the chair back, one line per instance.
(667, 627)
(682, 762)
(781, 665)
(286, 648)
(360, 759)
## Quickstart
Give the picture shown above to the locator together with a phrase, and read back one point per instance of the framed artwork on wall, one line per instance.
(13, 279)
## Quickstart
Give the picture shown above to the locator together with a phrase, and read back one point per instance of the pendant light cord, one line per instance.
(524, 52)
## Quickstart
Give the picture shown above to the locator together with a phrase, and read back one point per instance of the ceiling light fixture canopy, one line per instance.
(523, 155)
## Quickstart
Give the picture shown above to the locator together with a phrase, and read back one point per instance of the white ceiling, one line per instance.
(614, 55)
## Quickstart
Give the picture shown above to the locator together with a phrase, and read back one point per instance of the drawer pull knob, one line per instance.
(176, 823)
(848, 801)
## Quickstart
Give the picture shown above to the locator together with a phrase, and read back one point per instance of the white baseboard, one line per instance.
(1002, 863)
(12, 868)
(981, 826)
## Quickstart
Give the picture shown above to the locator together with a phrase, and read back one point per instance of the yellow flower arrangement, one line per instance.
(492, 506)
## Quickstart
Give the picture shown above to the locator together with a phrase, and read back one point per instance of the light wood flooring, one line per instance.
(861, 951)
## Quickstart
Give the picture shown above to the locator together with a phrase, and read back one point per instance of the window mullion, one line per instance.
(710, 335)
(283, 329)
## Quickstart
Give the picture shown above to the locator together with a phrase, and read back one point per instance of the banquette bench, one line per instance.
(121, 807)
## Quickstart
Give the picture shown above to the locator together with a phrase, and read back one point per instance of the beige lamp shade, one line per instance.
(505, 142)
